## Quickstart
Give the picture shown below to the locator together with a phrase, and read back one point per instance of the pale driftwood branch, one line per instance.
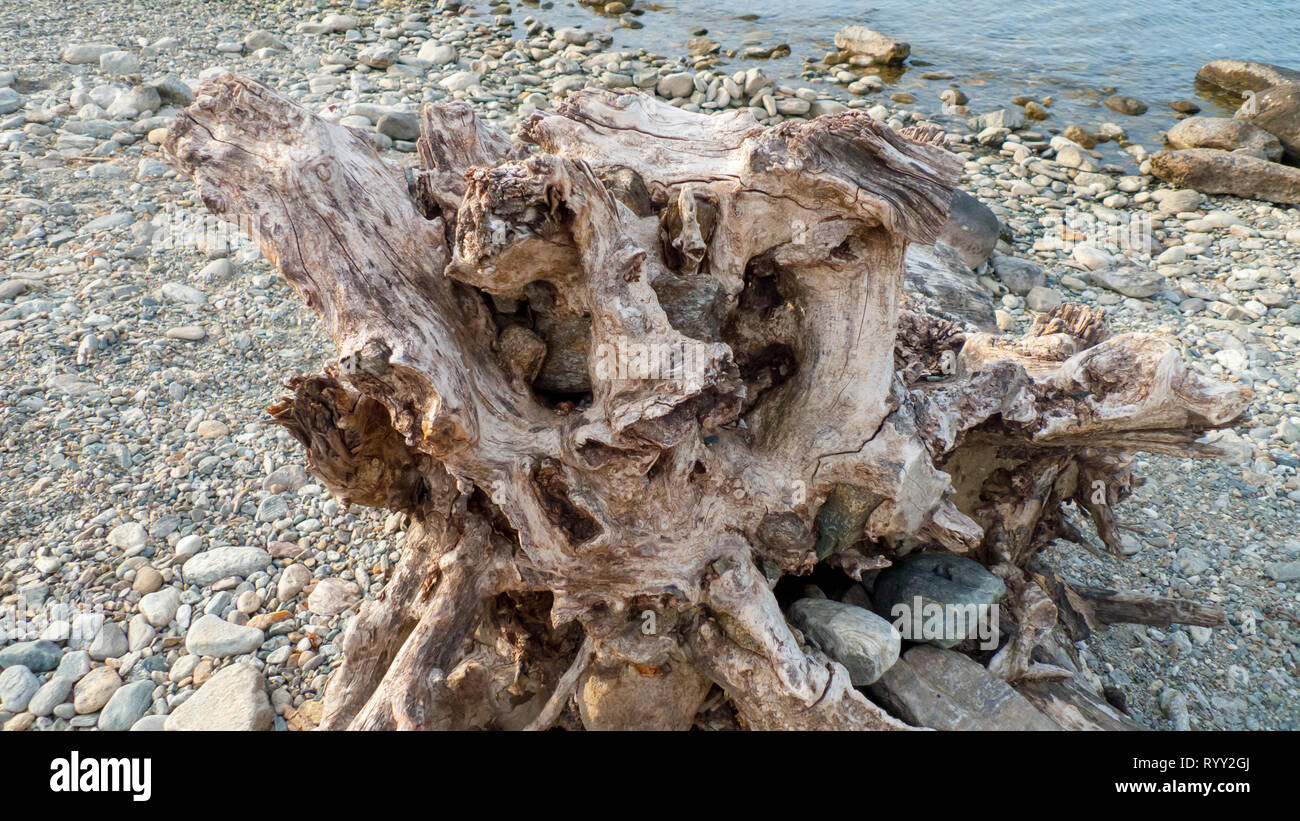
(616, 536)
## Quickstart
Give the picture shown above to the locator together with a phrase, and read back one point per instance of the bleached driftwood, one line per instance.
(621, 531)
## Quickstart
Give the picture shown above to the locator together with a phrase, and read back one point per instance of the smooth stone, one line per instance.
(1283, 571)
(221, 562)
(1019, 275)
(332, 596)
(1041, 299)
(128, 536)
(436, 53)
(1133, 282)
(95, 689)
(17, 686)
(1277, 111)
(73, 666)
(233, 699)
(1239, 76)
(126, 706)
(1120, 104)
(1212, 171)
(150, 724)
(1091, 258)
(1224, 134)
(863, 642)
(211, 635)
(119, 63)
(38, 656)
(52, 693)
(876, 47)
(294, 578)
(159, 608)
(109, 643)
(85, 53)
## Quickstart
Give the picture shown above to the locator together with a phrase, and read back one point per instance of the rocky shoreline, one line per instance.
(168, 562)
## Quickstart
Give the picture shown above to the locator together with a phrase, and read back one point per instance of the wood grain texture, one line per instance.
(614, 536)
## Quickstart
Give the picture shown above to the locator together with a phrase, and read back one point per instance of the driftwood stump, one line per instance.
(629, 372)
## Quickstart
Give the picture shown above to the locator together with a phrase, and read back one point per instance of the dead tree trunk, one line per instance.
(628, 373)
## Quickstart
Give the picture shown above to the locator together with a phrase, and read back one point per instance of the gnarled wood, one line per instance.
(626, 374)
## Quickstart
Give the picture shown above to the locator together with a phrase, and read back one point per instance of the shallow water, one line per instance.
(997, 49)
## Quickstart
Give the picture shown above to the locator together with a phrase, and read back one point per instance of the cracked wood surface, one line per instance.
(477, 313)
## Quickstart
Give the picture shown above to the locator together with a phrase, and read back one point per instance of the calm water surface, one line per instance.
(996, 49)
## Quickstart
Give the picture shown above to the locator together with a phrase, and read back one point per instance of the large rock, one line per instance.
(972, 229)
(211, 635)
(233, 699)
(938, 272)
(945, 690)
(1239, 76)
(863, 642)
(1212, 171)
(222, 562)
(879, 49)
(1223, 133)
(1277, 111)
(964, 590)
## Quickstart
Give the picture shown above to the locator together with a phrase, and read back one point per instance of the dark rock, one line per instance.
(37, 656)
(1120, 104)
(972, 229)
(939, 578)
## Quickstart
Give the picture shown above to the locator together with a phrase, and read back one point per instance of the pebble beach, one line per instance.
(167, 561)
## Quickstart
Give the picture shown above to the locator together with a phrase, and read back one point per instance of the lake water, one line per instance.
(996, 49)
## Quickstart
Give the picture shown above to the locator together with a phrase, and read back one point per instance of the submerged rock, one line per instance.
(1239, 76)
(879, 49)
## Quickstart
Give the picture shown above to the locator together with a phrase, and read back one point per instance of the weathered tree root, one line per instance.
(627, 374)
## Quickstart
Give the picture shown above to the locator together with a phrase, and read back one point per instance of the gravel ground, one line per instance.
(142, 345)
